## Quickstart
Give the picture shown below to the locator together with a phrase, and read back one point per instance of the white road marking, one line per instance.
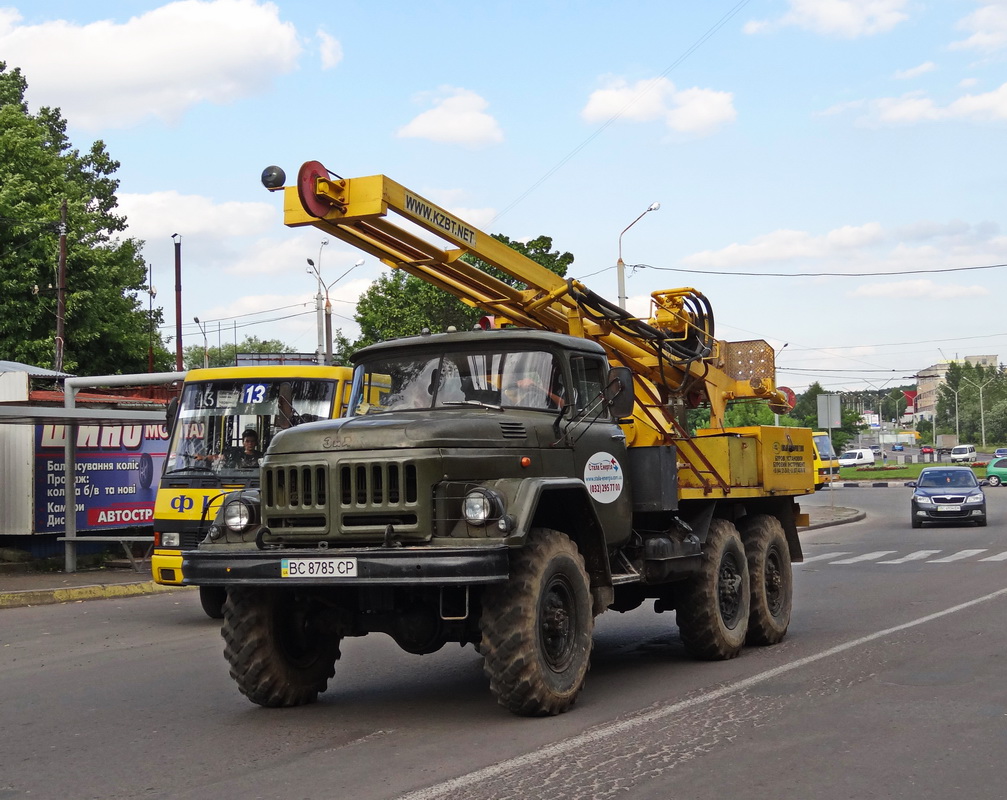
(997, 557)
(919, 555)
(565, 746)
(957, 556)
(823, 557)
(865, 557)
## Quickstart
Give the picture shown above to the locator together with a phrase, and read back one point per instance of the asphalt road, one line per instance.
(890, 684)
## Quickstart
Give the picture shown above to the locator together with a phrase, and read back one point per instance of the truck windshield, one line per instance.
(413, 382)
(225, 426)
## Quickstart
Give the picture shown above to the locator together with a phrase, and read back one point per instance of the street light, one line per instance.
(320, 350)
(328, 304)
(982, 415)
(206, 353)
(620, 265)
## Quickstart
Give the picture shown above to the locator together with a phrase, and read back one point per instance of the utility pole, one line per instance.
(178, 301)
(61, 292)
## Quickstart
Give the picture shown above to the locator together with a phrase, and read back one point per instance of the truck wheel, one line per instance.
(713, 615)
(537, 627)
(772, 580)
(212, 598)
(279, 651)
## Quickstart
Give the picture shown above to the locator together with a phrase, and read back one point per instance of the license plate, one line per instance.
(318, 568)
(949, 508)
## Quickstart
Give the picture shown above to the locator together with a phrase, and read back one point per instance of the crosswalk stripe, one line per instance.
(919, 555)
(957, 556)
(997, 557)
(865, 557)
(824, 556)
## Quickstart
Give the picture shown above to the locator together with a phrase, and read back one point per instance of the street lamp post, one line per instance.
(316, 271)
(620, 264)
(328, 305)
(982, 415)
(206, 352)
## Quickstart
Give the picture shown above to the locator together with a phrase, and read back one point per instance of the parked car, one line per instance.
(898, 448)
(947, 494)
(963, 453)
(996, 471)
(876, 449)
(1000, 452)
(926, 450)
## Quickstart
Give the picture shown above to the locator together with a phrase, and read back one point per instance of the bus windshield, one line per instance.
(226, 425)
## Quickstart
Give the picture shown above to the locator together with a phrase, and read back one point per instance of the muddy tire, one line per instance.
(537, 628)
(276, 643)
(772, 580)
(713, 612)
(212, 599)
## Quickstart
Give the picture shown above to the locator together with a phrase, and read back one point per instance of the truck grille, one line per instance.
(358, 496)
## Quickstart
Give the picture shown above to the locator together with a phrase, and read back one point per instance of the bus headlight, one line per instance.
(481, 506)
(171, 539)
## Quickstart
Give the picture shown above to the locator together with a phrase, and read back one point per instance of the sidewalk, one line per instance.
(26, 587)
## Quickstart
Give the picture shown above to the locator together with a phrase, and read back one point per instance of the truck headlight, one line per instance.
(481, 506)
(238, 515)
(172, 539)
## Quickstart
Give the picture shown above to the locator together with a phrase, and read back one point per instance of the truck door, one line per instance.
(600, 455)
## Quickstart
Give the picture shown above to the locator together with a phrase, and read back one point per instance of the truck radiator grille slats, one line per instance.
(378, 484)
(513, 430)
(296, 487)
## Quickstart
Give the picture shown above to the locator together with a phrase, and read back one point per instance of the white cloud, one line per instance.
(848, 19)
(458, 117)
(915, 72)
(917, 107)
(692, 110)
(921, 289)
(988, 26)
(860, 248)
(155, 65)
(330, 49)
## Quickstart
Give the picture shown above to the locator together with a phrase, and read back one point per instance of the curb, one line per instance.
(75, 594)
(859, 515)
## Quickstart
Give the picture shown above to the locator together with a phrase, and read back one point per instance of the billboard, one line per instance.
(116, 479)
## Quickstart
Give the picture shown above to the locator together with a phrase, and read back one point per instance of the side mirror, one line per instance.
(169, 414)
(911, 484)
(619, 395)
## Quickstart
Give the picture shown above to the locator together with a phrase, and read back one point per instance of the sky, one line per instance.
(830, 173)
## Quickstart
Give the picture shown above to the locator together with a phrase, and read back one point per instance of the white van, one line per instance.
(963, 452)
(857, 458)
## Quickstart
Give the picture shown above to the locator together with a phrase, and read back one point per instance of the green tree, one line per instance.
(398, 304)
(225, 355)
(107, 324)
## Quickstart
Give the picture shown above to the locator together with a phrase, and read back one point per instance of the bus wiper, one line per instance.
(478, 403)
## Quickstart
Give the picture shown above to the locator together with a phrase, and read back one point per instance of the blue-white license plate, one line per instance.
(318, 568)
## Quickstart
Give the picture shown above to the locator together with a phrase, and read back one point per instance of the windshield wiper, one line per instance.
(478, 403)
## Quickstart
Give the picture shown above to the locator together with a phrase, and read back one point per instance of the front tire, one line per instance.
(212, 599)
(277, 645)
(537, 628)
(713, 615)
(772, 580)
(994, 480)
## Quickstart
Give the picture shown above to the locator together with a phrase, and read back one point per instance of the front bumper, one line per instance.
(401, 566)
(967, 513)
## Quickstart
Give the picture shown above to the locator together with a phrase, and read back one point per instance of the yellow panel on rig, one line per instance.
(733, 457)
(785, 456)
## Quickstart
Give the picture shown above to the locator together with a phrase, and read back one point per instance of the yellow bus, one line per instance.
(220, 413)
(826, 460)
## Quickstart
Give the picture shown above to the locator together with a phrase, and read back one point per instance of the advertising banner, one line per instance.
(118, 468)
